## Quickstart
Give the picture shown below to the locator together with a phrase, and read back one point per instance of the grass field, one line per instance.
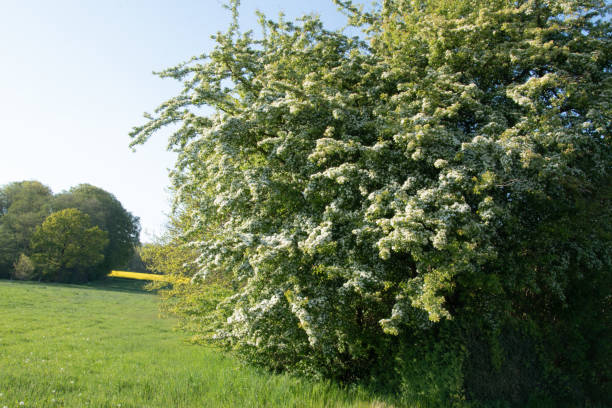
(104, 345)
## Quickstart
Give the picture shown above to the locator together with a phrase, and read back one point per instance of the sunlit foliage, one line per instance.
(67, 248)
(108, 214)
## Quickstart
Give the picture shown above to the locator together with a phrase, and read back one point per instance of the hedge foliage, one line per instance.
(430, 200)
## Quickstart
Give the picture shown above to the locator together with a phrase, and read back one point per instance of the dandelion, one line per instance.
(21, 403)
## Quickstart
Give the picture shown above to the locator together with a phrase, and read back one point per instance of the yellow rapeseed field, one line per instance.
(137, 275)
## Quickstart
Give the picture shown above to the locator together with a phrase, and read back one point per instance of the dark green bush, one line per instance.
(431, 370)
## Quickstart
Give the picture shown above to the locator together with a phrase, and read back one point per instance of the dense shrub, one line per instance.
(439, 190)
(24, 268)
(430, 371)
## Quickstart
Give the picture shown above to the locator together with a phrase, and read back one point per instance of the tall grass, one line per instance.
(104, 345)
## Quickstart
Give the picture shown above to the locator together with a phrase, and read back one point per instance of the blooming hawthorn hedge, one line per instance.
(448, 168)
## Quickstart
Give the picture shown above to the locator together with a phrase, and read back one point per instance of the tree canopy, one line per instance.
(438, 188)
(67, 247)
(106, 212)
(23, 206)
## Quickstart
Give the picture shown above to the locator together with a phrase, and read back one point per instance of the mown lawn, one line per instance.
(104, 345)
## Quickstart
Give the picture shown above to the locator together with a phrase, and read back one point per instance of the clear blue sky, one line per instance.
(76, 76)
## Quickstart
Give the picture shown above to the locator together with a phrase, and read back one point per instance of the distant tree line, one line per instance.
(74, 236)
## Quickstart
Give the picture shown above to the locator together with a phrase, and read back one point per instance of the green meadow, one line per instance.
(105, 345)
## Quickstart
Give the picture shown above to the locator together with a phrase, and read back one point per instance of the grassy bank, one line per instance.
(104, 345)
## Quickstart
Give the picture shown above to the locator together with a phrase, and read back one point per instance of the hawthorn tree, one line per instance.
(67, 248)
(436, 190)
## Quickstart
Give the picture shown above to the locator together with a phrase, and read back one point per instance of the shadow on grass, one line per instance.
(119, 285)
(106, 284)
